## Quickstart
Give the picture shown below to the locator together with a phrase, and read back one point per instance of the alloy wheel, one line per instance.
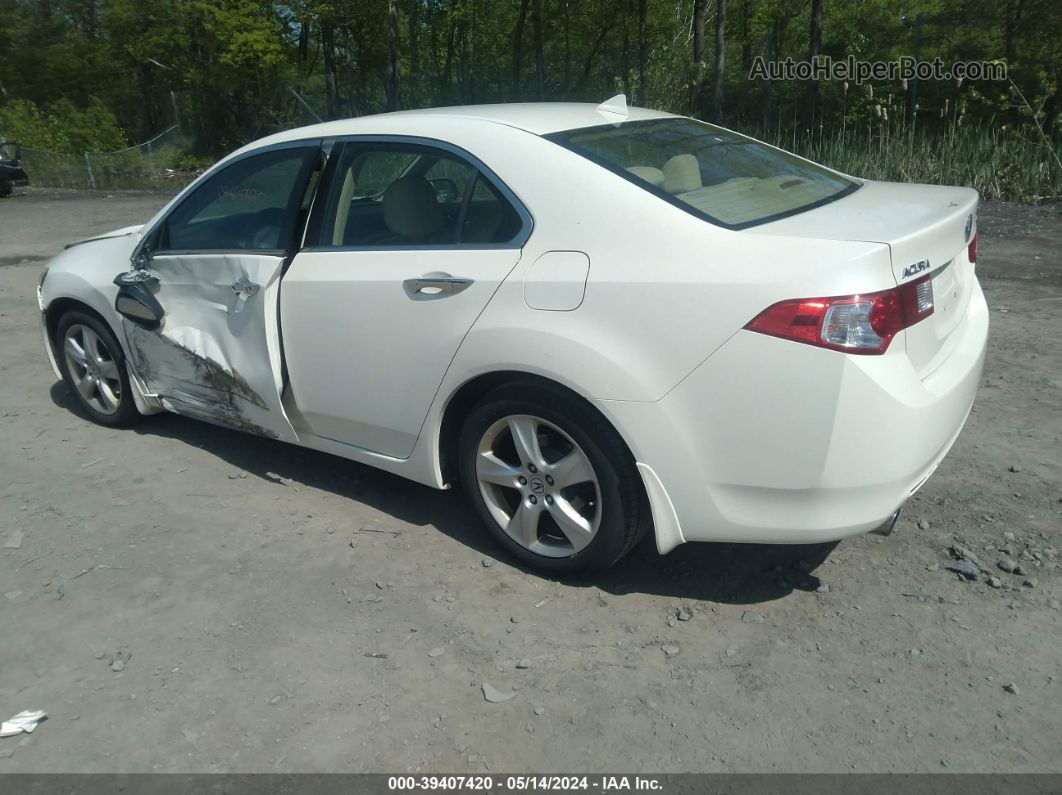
(92, 369)
(538, 485)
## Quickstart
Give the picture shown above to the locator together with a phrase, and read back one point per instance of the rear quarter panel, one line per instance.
(665, 289)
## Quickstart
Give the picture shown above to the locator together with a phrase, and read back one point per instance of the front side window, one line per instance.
(248, 205)
(717, 174)
(408, 195)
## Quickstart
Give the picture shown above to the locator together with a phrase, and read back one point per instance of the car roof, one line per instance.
(539, 118)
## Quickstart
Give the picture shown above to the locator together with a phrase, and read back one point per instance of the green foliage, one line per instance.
(90, 74)
(998, 162)
(62, 127)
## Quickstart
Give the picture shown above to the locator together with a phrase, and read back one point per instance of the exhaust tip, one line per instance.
(887, 526)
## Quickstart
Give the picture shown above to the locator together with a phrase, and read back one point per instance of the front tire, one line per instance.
(552, 480)
(93, 367)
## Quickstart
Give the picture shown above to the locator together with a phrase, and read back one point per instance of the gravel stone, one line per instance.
(964, 568)
(494, 695)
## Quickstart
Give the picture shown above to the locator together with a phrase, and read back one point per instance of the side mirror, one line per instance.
(136, 302)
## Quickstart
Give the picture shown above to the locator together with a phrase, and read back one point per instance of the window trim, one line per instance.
(290, 234)
(561, 139)
(315, 227)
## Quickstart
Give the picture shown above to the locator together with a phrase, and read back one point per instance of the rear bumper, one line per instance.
(771, 441)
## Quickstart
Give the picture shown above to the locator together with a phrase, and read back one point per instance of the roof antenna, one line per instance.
(616, 105)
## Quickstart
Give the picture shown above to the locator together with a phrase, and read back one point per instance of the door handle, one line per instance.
(435, 285)
(244, 287)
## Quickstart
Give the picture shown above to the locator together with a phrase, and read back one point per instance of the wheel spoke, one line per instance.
(92, 343)
(525, 437)
(87, 388)
(491, 469)
(575, 528)
(523, 526)
(75, 351)
(108, 399)
(572, 469)
(109, 369)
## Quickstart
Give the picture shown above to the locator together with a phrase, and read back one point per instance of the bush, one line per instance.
(62, 127)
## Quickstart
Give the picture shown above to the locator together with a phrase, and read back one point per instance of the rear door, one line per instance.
(410, 245)
(218, 255)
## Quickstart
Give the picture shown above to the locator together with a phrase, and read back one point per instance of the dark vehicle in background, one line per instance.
(11, 172)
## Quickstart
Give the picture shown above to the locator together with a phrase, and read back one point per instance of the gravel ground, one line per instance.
(183, 598)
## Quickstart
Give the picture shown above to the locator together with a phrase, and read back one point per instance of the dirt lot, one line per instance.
(266, 633)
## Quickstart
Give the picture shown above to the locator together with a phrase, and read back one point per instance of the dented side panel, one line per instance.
(215, 356)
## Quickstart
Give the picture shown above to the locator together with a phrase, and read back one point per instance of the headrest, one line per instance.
(654, 176)
(410, 208)
(682, 173)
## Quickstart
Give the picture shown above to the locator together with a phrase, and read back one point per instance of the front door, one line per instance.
(218, 256)
(413, 242)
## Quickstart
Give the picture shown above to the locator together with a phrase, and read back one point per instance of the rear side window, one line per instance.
(411, 196)
(714, 173)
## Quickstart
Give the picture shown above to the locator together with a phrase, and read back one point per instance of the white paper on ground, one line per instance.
(25, 721)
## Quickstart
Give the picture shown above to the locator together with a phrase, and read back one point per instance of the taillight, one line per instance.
(971, 250)
(852, 323)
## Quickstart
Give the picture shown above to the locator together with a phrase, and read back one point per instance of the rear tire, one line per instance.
(93, 367)
(5, 189)
(552, 480)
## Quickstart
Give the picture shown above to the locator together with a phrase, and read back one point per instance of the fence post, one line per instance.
(88, 168)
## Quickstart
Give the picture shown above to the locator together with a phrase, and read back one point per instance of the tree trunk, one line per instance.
(720, 64)
(304, 41)
(1011, 17)
(392, 55)
(540, 54)
(625, 63)
(591, 57)
(414, 54)
(809, 109)
(473, 55)
(746, 40)
(448, 64)
(518, 52)
(329, 56)
(567, 46)
(771, 54)
(697, 84)
(642, 52)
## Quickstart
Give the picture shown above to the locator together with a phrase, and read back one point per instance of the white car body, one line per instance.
(626, 300)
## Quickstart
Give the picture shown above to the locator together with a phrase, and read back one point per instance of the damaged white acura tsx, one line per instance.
(601, 321)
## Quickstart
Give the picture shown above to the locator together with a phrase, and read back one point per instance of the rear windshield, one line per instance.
(716, 174)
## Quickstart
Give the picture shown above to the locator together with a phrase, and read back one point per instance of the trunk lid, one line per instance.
(927, 229)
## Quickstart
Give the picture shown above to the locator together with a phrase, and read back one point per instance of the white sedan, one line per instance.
(601, 321)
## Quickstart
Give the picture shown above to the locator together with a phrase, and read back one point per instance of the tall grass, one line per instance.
(999, 163)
